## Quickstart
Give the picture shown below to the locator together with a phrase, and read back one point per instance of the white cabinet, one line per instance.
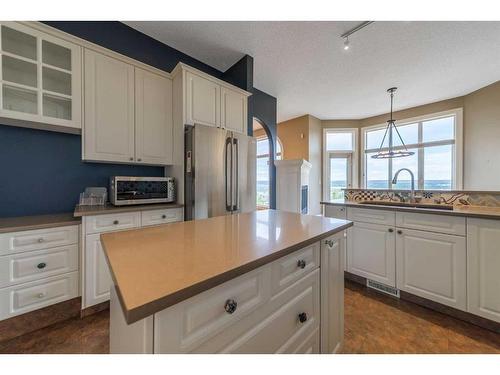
(233, 110)
(337, 212)
(40, 78)
(109, 109)
(432, 266)
(332, 293)
(202, 101)
(128, 113)
(431, 222)
(97, 275)
(483, 268)
(153, 118)
(371, 252)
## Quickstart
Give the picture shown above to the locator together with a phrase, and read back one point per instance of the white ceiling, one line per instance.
(304, 65)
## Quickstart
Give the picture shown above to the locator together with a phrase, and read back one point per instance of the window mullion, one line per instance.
(420, 155)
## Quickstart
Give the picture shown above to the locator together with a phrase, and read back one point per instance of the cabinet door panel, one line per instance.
(97, 275)
(153, 118)
(483, 268)
(233, 111)
(371, 252)
(109, 109)
(202, 101)
(432, 266)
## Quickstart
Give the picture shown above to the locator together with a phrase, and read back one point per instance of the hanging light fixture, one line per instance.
(389, 131)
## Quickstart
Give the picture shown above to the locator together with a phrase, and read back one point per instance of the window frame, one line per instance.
(353, 165)
(457, 162)
(279, 156)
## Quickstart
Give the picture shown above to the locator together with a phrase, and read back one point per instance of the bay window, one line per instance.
(436, 141)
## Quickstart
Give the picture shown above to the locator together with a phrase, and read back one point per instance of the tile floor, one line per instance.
(374, 323)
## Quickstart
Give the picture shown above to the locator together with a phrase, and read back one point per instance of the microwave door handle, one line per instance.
(237, 174)
(227, 177)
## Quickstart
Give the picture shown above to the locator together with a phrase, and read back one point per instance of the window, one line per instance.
(339, 161)
(263, 157)
(437, 162)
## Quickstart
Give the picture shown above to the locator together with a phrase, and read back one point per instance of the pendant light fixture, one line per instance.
(389, 131)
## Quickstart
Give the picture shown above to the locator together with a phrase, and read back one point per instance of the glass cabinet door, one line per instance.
(38, 76)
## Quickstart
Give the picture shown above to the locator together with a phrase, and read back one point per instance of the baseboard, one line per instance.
(44, 317)
(94, 309)
(436, 306)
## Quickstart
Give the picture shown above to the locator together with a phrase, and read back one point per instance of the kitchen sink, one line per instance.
(409, 205)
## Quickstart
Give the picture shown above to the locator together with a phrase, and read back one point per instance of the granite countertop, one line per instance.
(109, 208)
(482, 212)
(157, 267)
(20, 223)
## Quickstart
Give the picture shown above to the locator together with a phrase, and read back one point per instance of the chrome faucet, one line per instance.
(395, 181)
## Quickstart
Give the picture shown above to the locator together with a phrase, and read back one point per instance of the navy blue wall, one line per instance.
(41, 172)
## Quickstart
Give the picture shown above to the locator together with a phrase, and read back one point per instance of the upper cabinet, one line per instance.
(40, 77)
(128, 113)
(210, 101)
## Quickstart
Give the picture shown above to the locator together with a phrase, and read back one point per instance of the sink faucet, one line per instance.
(395, 181)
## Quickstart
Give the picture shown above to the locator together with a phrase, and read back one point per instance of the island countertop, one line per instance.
(157, 267)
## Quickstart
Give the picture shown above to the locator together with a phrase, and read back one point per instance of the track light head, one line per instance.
(346, 44)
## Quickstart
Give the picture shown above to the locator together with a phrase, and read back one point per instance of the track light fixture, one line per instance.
(345, 35)
(346, 43)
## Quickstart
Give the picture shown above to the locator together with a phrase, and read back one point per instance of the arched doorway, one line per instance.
(265, 159)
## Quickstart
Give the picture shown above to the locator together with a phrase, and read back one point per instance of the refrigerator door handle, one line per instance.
(237, 174)
(228, 152)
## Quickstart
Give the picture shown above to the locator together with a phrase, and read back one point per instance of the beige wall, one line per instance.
(294, 136)
(315, 158)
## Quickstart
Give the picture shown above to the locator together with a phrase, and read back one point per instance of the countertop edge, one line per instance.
(109, 209)
(464, 213)
(135, 314)
(14, 224)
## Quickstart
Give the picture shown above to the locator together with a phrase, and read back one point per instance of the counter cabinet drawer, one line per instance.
(156, 217)
(371, 215)
(20, 299)
(112, 222)
(29, 240)
(431, 222)
(35, 265)
(337, 212)
(205, 315)
(290, 268)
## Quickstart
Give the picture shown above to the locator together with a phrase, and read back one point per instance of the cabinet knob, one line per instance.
(131, 158)
(342, 209)
(40, 240)
(390, 230)
(301, 263)
(303, 317)
(163, 216)
(230, 306)
(41, 266)
(139, 159)
(329, 242)
(400, 232)
(41, 295)
(116, 222)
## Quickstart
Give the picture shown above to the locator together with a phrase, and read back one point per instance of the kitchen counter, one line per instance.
(20, 223)
(157, 267)
(109, 208)
(483, 212)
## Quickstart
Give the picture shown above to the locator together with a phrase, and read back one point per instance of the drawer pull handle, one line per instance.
(301, 263)
(41, 266)
(303, 317)
(41, 295)
(163, 216)
(131, 158)
(40, 240)
(329, 242)
(400, 232)
(230, 306)
(116, 222)
(390, 230)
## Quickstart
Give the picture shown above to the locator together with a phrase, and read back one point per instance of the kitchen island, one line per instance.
(261, 282)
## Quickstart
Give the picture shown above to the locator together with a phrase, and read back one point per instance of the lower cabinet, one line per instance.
(97, 275)
(483, 268)
(432, 266)
(371, 252)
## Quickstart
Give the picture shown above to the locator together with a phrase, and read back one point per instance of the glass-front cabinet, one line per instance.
(40, 77)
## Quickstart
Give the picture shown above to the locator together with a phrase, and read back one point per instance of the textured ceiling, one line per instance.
(304, 65)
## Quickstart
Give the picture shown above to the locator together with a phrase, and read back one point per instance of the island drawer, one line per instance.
(35, 265)
(205, 315)
(112, 222)
(431, 222)
(290, 268)
(156, 217)
(19, 299)
(17, 242)
(371, 215)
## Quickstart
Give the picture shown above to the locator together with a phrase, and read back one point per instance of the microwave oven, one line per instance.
(127, 190)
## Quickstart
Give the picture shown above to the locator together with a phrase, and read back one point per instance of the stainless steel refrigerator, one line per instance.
(220, 172)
